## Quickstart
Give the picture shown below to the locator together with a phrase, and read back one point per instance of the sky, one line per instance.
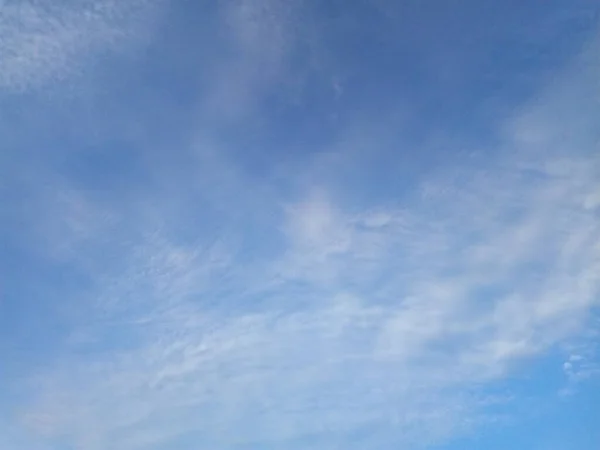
(291, 224)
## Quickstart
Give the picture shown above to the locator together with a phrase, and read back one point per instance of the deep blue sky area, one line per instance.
(290, 224)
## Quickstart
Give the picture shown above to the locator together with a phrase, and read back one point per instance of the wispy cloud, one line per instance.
(305, 319)
(48, 41)
(260, 39)
(385, 317)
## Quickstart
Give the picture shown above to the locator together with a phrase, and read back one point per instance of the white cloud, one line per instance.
(260, 38)
(388, 324)
(582, 362)
(45, 40)
(354, 319)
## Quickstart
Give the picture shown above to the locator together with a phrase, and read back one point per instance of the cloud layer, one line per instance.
(42, 42)
(221, 309)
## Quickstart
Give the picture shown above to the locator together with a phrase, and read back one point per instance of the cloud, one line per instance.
(312, 319)
(46, 41)
(366, 320)
(260, 39)
(581, 361)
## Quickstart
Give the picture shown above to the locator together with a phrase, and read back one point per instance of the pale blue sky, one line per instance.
(271, 224)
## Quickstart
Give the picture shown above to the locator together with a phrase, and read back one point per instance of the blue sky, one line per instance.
(271, 224)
